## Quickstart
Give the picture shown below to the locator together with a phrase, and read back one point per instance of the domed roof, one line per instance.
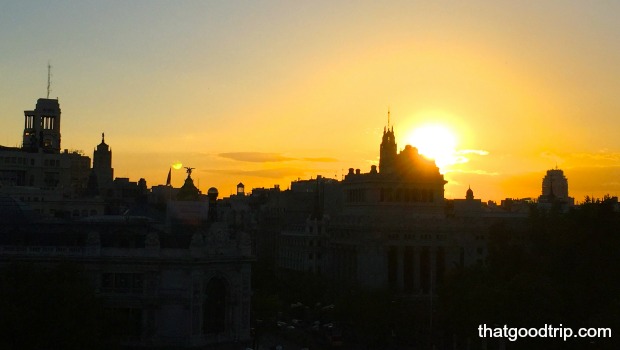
(469, 194)
(212, 190)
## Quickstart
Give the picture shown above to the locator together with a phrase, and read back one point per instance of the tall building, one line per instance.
(38, 173)
(183, 285)
(555, 188)
(392, 231)
(387, 151)
(42, 127)
(102, 165)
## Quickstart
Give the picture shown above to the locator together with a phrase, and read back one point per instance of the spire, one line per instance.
(102, 137)
(388, 124)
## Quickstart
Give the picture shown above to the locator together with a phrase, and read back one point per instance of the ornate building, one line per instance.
(393, 232)
(38, 173)
(173, 289)
(180, 284)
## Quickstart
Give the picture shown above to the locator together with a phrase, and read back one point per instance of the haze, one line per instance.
(264, 92)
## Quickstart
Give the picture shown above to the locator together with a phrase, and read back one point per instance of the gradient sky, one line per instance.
(264, 92)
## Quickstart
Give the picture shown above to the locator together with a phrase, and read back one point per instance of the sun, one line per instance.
(177, 165)
(436, 142)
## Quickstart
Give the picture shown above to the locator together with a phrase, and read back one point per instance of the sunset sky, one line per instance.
(264, 92)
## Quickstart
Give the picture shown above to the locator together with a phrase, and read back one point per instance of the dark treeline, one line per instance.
(563, 269)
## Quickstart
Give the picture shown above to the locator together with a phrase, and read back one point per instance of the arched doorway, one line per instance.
(214, 317)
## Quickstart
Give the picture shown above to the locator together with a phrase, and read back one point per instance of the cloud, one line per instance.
(598, 156)
(262, 157)
(461, 156)
(473, 151)
(321, 159)
(256, 157)
(477, 172)
(276, 173)
(554, 157)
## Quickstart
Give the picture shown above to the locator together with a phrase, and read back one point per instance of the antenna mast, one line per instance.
(388, 118)
(49, 78)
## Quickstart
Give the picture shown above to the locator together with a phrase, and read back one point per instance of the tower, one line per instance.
(212, 193)
(555, 184)
(102, 164)
(469, 195)
(42, 127)
(387, 152)
(241, 189)
(555, 188)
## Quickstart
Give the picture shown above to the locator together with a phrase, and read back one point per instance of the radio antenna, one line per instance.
(49, 78)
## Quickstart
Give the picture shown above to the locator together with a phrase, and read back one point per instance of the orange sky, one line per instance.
(264, 93)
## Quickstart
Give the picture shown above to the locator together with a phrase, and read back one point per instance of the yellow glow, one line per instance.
(177, 165)
(436, 142)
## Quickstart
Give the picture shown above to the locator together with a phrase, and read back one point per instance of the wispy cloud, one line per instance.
(276, 173)
(321, 159)
(472, 151)
(256, 157)
(598, 156)
(554, 157)
(477, 172)
(462, 156)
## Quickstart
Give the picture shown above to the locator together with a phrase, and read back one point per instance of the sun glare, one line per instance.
(177, 165)
(436, 142)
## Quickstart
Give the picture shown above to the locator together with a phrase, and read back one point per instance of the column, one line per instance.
(416, 269)
(432, 251)
(399, 268)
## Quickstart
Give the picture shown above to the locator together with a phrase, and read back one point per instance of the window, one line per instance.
(122, 283)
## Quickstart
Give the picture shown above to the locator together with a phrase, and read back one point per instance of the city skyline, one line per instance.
(267, 93)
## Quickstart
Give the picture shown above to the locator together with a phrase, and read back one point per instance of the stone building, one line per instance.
(183, 288)
(51, 182)
(393, 231)
(555, 189)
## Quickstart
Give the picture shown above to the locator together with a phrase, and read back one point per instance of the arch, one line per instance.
(215, 306)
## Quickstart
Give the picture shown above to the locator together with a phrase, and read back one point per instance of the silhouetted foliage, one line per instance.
(564, 270)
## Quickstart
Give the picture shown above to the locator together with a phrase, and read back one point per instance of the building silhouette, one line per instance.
(392, 232)
(175, 272)
(389, 228)
(51, 182)
(42, 127)
(555, 189)
(102, 166)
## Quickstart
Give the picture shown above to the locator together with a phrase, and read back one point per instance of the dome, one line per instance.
(469, 194)
(213, 191)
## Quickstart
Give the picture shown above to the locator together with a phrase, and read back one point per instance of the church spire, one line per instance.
(387, 153)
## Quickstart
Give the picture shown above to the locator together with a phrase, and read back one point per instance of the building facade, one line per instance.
(393, 231)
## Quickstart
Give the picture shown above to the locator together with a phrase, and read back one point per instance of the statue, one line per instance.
(189, 171)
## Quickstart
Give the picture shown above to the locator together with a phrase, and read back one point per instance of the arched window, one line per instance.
(214, 320)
